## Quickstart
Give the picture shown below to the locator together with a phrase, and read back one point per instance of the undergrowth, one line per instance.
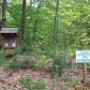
(30, 84)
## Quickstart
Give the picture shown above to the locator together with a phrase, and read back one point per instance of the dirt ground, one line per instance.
(69, 78)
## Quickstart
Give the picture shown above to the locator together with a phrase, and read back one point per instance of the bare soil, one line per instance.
(10, 80)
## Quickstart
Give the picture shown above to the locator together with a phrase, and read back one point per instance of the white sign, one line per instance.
(83, 56)
(13, 44)
(6, 45)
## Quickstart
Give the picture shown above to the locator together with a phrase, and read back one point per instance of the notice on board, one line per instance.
(82, 56)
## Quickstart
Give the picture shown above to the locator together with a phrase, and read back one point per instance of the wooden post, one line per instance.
(81, 88)
(84, 72)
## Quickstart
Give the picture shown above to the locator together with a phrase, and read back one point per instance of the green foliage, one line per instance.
(3, 60)
(22, 62)
(62, 62)
(29, 61)
(2, 55)
(67, 78)
(76, 82)
(13, 65)
(73, 30)
(2, 78)
(73, 20)
(88, 65)
(59, 67)
(32, 85)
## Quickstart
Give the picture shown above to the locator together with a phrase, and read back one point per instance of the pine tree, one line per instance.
(24, 21)
(4, 13)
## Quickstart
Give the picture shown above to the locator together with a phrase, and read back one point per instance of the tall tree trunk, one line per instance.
(0, 16)
(35, 23)
(0, 24)
(0, 30)
(4, 13)
(24, 21)
(35, 29)
(55, 30)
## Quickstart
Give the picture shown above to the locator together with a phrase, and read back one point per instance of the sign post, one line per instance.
(83, 56)
(84, 72)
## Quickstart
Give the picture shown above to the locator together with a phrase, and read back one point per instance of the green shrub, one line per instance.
(67, 78)
(40, 85)
(3, 60)
(58, 66)
(2, 78)
(13, 64)
(25, 62)
(76, 82)
(2, 55)
(28, 83)
(22, 62)
(60, 63)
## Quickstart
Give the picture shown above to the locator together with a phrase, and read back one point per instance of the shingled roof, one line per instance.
(9, 30)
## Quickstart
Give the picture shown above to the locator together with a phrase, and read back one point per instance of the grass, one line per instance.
(3, 60)
(30, 84)
(76, 82)
(2, 78)
(67, 78)
(4, 63)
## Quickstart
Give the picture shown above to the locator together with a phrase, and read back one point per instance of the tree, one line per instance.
(0, 17)
(0, 24)
(35, 23)
(55, 29)
(4, 13)
(24, 21)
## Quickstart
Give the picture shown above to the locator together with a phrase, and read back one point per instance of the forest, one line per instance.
(43, 36)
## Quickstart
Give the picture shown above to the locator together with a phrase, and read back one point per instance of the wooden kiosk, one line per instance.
(9, 40)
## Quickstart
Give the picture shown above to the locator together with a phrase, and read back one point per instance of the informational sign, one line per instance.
(83, 56)
(6, 45)
(13, 44)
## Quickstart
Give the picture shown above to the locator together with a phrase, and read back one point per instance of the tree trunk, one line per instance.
(35, 23)
(4, 13)
(55, 30)
(0, 30)
(24, 21)
(34, 29)
(0, 24)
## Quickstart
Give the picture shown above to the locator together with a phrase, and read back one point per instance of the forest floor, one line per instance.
(69, 78)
